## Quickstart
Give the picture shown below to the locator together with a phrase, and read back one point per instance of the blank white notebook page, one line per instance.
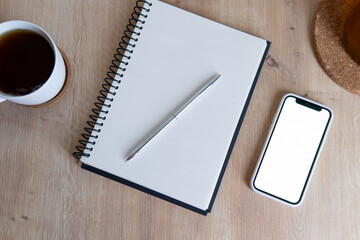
(176, 53)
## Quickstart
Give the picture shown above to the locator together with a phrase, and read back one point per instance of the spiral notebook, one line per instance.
(165, 56)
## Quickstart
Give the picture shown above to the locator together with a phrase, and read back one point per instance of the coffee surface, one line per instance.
(26, 62)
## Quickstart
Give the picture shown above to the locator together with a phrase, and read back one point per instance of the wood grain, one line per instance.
(44, 194)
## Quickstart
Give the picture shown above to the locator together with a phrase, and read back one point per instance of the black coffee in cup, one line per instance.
(26, 62)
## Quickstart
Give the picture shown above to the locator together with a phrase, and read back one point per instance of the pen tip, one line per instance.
(129, 157)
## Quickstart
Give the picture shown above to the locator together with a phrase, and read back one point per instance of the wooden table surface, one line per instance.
(44, 194)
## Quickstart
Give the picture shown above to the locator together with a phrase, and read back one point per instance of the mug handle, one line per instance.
(2, 99)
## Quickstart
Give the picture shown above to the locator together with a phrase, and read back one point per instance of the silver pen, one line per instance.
(171, 118)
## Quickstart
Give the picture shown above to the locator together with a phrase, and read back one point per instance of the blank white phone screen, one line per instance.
(291, 150)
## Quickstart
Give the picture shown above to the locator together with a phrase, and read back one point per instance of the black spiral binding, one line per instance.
(109, 88)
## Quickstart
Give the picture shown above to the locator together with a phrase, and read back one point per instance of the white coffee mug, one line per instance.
(53, 84)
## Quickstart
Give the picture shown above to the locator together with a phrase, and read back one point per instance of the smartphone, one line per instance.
(291, 150)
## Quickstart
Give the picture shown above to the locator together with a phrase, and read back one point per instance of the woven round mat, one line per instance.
(329, 44)
(64, 89)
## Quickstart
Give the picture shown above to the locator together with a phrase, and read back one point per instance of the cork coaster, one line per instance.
(328, 42)
(65, 88)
